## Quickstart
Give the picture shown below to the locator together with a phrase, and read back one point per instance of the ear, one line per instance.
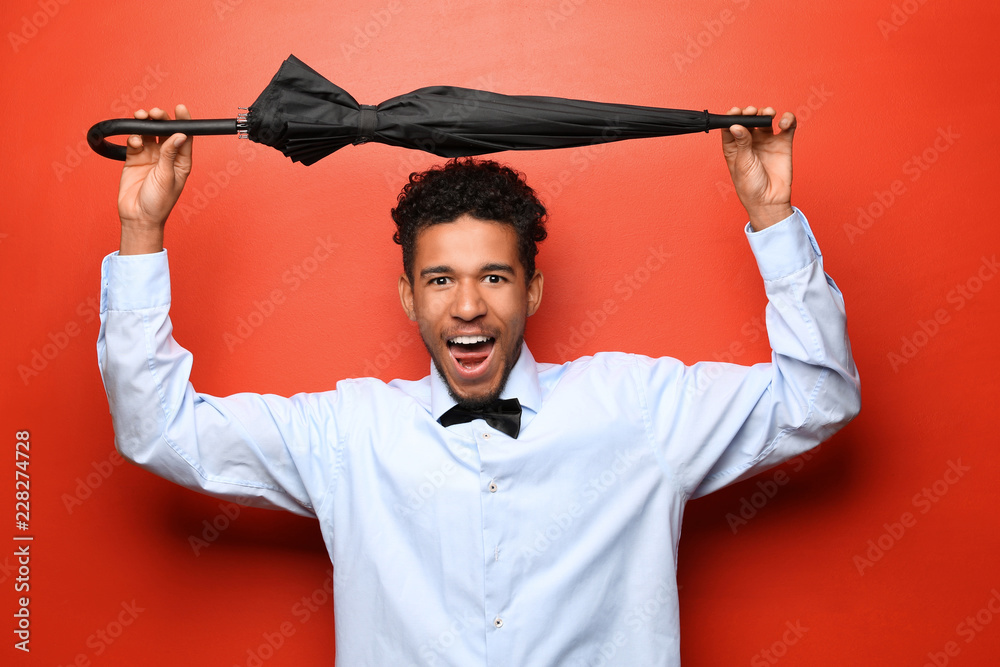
(406, 298)
(535, 292)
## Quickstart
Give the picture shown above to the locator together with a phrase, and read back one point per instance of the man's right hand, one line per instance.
(154, 175)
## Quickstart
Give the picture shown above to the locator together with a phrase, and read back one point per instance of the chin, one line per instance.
(471, 399)
(476, 401)
(486, 392)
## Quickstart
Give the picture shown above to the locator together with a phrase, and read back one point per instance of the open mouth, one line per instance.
(472, 354)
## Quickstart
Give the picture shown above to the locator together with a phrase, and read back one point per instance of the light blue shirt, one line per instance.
(462, 546)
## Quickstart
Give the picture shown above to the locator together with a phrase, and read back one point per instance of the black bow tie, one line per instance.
(503, 415)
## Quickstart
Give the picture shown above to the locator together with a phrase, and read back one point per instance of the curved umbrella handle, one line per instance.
(157, 128)
(717, 121)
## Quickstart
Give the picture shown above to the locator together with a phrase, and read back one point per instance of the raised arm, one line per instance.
(260, 450)
(718, 423)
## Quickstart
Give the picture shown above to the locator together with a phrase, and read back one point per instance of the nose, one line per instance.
(469, 302)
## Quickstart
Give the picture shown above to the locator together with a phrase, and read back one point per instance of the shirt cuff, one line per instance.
(135, 282)
(785, 247)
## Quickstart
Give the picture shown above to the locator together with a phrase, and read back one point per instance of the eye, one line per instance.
(495, 279)
(440, 280)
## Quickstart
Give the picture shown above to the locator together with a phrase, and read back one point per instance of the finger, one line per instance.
(133, 146)
(156, 113)
(744, 147)
(787, 125)
(184, 154)
(751, 111)
(740, 134)
(731, 150)
(180, 145)
(766, 111)
(788, 122)
(168, 156)
(727, 135)
(147, 140)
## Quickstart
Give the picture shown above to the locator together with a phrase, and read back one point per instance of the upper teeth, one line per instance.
(469, 340)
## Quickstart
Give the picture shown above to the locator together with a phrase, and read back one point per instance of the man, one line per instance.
(466, 530)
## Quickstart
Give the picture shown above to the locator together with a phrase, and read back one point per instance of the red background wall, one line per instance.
(895, 166)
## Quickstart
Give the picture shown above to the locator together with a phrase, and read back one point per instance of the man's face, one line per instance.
(470, 299)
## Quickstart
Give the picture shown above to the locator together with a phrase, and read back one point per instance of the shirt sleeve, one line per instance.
(715, 423)
(259, 450)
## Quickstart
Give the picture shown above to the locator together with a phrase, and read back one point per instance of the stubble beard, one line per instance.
(479, 402)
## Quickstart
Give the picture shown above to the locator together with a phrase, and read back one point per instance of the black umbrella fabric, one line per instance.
(307, 117)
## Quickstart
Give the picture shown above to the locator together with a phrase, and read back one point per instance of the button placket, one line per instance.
(497, 565)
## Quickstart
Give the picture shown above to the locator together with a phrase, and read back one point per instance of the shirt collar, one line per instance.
(522, 384)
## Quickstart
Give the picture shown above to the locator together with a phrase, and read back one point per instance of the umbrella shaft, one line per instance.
(723, 121)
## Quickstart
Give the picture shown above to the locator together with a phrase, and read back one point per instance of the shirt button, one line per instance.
(493, 487)
(486, 436)
(498, 622)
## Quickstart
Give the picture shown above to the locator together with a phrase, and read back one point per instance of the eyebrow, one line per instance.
(493, 267)
(498, 267)
(431, 270)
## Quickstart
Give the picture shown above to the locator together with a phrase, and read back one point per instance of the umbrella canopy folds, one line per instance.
(307, 117)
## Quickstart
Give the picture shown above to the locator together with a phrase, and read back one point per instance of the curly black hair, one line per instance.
(484, 189)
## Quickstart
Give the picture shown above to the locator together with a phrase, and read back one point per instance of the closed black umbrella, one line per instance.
(307, 117)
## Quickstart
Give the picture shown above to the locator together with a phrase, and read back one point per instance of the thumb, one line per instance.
(169, 148)
(168, 154)
(744, 147)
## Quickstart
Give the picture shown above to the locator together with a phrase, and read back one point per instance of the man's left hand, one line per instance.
(760, 163)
